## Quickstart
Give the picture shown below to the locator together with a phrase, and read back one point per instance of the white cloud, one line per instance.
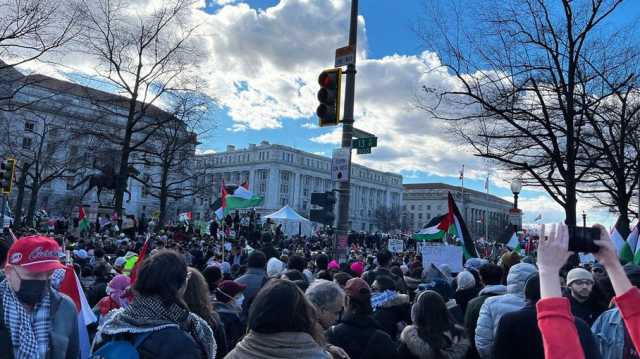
(204, 151)
(334, 137)
(310, 126)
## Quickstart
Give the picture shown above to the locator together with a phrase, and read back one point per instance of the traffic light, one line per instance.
(327, 201)
(7, 170)
(329, 96)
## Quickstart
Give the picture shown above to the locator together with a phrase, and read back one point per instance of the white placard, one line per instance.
(396, 245)
(440, 254)
(340, 164)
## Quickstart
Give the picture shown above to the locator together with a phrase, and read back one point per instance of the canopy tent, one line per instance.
(292, 222)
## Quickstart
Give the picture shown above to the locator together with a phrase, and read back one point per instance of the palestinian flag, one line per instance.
(185, 216)
(514, 243)
(143, 254)
(223, 202)
(451, 224)
(240, 198)
(619, 233)
(433, 231)
(83, 222)
(628, 251)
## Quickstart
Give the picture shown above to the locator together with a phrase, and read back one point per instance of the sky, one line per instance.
(262, 58)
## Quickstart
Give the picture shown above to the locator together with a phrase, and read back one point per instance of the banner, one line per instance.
(440, 254)
(396, 245)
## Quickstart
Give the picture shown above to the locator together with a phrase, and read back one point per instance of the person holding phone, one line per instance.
(557, 326)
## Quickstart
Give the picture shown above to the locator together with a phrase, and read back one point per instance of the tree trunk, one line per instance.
(33, 202)
(22, 181)
(164, 194)
(570, 209)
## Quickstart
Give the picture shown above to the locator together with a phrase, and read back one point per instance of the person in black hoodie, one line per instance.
(518, 335)
(393, 310)
(358, 333)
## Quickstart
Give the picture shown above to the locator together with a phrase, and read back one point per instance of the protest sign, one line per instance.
(440, 254)
(396, 245)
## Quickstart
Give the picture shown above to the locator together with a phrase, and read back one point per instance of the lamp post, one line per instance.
(584, 218)
(516, 186)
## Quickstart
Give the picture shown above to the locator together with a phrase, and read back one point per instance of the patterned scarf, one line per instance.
(150, 310)
(29, 331)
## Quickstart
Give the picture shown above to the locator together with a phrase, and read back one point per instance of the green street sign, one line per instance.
(366, 142)
(364, 150)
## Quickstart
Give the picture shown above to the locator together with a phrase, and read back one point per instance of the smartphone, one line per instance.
(581, 239)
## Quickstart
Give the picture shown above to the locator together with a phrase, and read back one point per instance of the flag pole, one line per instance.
(486, 223)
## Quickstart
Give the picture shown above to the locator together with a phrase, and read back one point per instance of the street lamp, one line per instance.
(516, 186)
(584, 218)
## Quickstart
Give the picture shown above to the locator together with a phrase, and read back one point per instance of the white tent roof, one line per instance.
(287, 213)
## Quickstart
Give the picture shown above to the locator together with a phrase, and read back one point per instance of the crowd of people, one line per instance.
(254, 293)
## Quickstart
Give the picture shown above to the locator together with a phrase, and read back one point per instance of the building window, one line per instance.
(26, 142)
(29, 126)
(413, 207)
(419, 215)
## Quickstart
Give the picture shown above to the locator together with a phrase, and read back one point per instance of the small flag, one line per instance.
(486, 184)
(514, 243)
(223, 202)
(71, 286)
(462, 172)
(618, 235)
(143, 253)
(83, 222)
(538, 217)
(185, 216)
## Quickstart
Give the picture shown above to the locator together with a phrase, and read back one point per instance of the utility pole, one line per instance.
(344, 188)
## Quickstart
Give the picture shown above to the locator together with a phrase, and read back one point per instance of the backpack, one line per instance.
(121, 349)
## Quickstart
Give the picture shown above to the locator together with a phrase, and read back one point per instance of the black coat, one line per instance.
(393, 312)
(360, 337)
(168, 343)
(518, 336)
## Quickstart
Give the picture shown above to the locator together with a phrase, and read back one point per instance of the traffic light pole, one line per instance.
(3, 201)
(347, 124)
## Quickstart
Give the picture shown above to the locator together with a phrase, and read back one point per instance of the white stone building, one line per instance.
(424, 201)
(288, 176)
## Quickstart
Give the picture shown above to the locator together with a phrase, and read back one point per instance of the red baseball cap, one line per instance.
(35, 254)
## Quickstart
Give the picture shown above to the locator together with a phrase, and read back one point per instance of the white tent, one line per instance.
(292, 222)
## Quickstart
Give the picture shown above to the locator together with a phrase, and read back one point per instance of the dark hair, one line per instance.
(257, 259)
(491, 274)
(341, 278)
(162, 275)
(297, 277)
(361, 306)
(98, 253)
(296, 262)
(385, 282)
(323, 274)
(532, 289)
(4, 249)
(196, 297)
(384, 257)
(280, 306)
(429, 314)
(212, 275)
(322, 261)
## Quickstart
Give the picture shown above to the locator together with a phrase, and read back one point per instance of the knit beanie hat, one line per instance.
(578, 274)
(465, 280)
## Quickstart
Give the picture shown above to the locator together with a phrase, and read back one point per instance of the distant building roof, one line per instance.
(448, 187)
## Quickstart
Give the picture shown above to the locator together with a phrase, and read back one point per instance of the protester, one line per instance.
(393, 310)
(282, 324)
(117, 297)
(580, 284)
(328, 298)
(159, 314)
(196, 297)
(518, 335)
(213, 275)
(253, 279)
(35, 320)
(357, 332)
(466, 290)
(275, 267)
(494, 307)
(433, 334)
(228, 305)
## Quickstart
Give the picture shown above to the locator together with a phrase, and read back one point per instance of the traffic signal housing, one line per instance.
(326, 200)
(330, 93)
(7, 171)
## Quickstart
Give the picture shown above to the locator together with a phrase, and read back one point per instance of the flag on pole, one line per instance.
(514, 243)
(71, 286)
(83, 221)
(245, 184)
(628, 251)
(462, 172)
(618, 235)
(185, 216)
(240, 198)
(143, 253)
(486, 184)
(538, 217)
(452, 224)
(223, 202)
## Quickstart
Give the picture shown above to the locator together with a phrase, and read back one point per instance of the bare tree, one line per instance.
(524, 85)
(172, 152)
(30, 29)
(388, 219)
(144, 56)
(38, 140)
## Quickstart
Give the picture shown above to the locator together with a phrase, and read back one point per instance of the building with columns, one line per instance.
(423, 201)
(287, 176)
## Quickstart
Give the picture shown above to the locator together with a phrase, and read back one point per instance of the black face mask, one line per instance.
(31, 291)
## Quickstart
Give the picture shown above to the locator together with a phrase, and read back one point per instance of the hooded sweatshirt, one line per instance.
(494, 307)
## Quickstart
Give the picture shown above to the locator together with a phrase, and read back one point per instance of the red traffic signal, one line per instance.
(328, 111)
